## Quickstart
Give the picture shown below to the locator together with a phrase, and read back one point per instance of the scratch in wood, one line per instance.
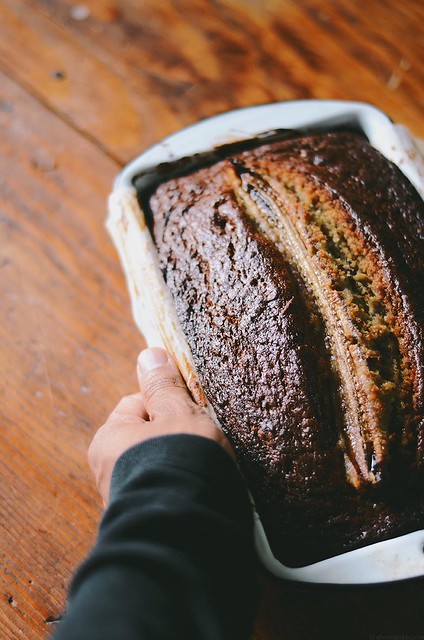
(43, 358)
(59, 75)
(6, 107)
(53, 619)
(80, 12)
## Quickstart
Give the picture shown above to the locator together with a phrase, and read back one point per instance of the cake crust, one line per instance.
(295, 270)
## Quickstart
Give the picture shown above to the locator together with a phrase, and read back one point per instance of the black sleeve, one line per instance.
(175, 555)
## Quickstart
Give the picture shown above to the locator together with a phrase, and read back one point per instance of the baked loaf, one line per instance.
(296, 270)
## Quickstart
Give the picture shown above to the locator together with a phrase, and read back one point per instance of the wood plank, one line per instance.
(93, 92)
(133, 76)
(300, 612)
(133, 73)
(68, 347)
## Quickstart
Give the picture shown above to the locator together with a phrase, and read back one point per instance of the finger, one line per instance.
(117, 435)
(131, 405)
(161, 385)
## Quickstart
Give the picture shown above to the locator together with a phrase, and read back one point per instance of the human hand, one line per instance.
(163, 406)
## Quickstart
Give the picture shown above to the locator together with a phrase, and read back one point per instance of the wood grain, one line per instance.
(78, 98)
(68, 348)
(170, 64)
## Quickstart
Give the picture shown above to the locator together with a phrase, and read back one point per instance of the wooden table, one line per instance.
(83, 89)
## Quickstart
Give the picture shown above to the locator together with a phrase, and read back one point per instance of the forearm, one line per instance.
(175, 550)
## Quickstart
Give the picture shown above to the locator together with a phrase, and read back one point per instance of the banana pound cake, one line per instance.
(296, 270)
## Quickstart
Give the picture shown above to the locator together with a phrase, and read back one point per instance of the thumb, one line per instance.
(162, 387)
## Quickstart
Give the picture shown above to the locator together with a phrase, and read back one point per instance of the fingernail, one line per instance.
(151, 359)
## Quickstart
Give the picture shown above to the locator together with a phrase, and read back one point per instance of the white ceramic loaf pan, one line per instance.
(153, 308)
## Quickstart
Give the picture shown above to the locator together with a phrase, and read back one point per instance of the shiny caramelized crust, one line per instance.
(296, 272)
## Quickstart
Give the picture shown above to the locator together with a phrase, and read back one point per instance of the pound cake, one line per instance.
(296, 271)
